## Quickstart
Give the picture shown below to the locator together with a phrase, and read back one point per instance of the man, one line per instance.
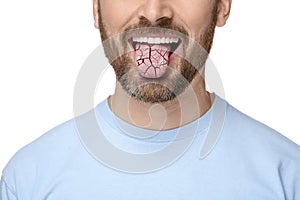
(174, 140)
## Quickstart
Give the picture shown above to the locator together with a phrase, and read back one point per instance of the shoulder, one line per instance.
(59, 138)
(57, 152)
(46, 152)
(256, 136)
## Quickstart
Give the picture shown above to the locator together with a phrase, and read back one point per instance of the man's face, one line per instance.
(158, 36)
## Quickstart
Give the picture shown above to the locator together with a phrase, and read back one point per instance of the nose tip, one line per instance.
(154, 10)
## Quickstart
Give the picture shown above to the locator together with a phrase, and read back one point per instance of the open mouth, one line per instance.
(173, 42)
(153, 54)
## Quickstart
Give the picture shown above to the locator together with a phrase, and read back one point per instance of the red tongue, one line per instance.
(152, 59)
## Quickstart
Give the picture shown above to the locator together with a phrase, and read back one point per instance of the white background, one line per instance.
(44, 43)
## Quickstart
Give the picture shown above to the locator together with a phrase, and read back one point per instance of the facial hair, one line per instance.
(177, 78)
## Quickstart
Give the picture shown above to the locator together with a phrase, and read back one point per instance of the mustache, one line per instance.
(164, 26)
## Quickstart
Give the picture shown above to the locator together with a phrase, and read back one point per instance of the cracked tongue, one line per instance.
(152, 59)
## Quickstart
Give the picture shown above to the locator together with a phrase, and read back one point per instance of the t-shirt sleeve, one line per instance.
(290, 176)
(5, 192)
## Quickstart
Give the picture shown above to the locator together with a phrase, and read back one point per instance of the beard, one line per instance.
(178, 75)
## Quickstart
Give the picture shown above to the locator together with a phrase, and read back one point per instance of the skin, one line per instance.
(116, 16)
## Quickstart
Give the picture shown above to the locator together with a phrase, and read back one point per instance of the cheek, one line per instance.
(114, 16)
(196, 14)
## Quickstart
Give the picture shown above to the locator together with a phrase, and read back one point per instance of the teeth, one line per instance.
(155, 40)
(151, 40)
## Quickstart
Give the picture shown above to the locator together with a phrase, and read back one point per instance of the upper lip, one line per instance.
(152, 32)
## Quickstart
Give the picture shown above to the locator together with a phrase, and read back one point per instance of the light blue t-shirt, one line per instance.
(245, 160)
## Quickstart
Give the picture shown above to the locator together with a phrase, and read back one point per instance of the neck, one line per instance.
(185, 108)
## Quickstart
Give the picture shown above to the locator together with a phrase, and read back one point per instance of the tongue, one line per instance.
(152, 59)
